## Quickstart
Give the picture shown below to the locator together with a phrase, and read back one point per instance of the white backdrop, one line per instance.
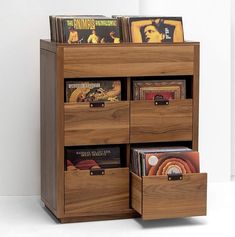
(24, 22)
(233, 84)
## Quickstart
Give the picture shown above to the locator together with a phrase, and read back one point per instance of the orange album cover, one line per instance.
(171, 163)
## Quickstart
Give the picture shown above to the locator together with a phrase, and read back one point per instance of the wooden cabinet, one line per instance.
(117, 193)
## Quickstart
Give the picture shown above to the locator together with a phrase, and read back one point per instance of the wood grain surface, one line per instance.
(170, 199)
(101, 194)
(59, 120)
(89, 126)
(128, 60)
(48, 129)
(121, 214)
(151, 123)
(196, 96)
(136, 192)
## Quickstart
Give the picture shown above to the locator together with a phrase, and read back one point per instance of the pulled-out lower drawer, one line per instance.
(158, 197)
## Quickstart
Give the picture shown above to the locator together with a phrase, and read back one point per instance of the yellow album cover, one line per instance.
(91, 31)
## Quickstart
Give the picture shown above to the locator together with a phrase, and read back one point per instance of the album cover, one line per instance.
(156, 29)
(171, 163)
(90, 30)
(58, 22)
(93, 157)
(88, 91)
(168, 89)
(138, 156)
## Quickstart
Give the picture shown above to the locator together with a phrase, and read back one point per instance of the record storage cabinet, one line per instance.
(73, 196)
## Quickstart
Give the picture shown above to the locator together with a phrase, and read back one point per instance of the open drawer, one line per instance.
(96, 123)
(155, 197)
(91, 193)
(170, 122)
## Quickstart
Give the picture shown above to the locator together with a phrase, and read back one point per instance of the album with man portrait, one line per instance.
(156, 29)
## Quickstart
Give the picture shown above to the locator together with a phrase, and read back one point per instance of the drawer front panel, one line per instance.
(90, 126)
(171, 199)
(128, 60)
(151, 123)
(98, 194)
(160, 198)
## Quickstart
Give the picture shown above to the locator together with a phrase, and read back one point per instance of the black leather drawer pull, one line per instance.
(97, 172)
(174, 177)
(97, 104)
(159, 100)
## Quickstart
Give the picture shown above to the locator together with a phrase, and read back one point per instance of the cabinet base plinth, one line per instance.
(71, 219)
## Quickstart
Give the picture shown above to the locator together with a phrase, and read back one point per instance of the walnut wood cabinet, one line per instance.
(79, 196)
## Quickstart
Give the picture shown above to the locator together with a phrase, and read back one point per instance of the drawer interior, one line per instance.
(155, 197)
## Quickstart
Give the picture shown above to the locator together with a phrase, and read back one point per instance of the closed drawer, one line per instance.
(87, 194)
(85, 125)
(128, 60)
(151, 123)
(154, 197)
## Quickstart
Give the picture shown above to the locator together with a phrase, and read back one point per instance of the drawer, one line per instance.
(86, 125)
(128, 60)
(87, 194)
(154, 197)
(151, 123)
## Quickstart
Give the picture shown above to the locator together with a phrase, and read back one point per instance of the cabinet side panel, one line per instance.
(48, 128)
(196, 96)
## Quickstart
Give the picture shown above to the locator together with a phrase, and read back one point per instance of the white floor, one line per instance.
(25, 217)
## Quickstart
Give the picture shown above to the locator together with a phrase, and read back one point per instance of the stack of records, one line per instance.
(76, 29)
(164, 161)
(151, 29)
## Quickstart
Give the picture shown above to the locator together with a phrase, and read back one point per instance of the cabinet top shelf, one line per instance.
(123, 60)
